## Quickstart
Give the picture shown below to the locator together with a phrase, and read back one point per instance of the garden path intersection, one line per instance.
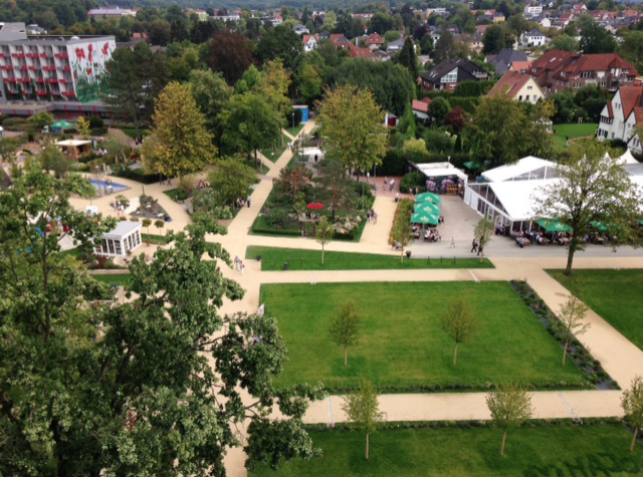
(621, 359)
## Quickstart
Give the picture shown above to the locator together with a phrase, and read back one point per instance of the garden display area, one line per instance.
(402, 346)
(274, 258)
(572, 131)
(532, 451)
(615, 295)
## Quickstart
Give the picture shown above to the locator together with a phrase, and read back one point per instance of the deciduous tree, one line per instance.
(280, 42)
(460, 323)
(572, 315)
(336, 191)
(362, 410)
(325, 232)
(510, 406)
(179, 143)
(230, 179)
(230, 55)
(483, 232)
(632, 403)
(351, 125)
(212, 95)
(593, 187)
(596, 39)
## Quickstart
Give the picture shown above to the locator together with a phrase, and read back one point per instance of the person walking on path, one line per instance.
(248, 201)
(479, 251)
(392, 184)
(236, 262)
(374, 217)
(385, 183)
(452, 242)
(474, 245)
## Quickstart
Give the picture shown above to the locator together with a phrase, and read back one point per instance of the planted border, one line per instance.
(589, 365)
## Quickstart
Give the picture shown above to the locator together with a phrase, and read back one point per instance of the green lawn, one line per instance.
(153, 238)
(119, 279)
(403, 346)
(614, 294)
(273, 154)
(571, 131)
(296, 130)
(273, 258)
(131, 132)
(555, 451)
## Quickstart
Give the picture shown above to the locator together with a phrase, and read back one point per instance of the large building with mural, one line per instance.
(51, 73)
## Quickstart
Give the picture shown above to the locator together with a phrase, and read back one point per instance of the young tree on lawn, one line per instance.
(459, 323)
(351, 125)
(159, 224)
(82, 126)
(344, 327)
(52, 159)
(510, 406)
(179, 143)
(593, 187)
(362, 410)
(325, 231)
(230, 179)
(632, 403)
(483, 232)
(147, 223)
(294, 180)
(402, 233)
(572, 314)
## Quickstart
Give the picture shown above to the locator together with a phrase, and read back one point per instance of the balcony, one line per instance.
(8, 68)
(52, 81)
(61, 55)
(41, 93)
(32, 55)
(67, 68)
(18, 55)
(41, 80)
(49, 68)
(10, 80)
(23, 80)
(43, 55)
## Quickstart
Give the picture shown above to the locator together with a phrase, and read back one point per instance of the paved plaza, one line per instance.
(620, 358)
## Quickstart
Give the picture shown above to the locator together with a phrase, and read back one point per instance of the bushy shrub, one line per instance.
(411, 181)
(16, 124)
(96, 122)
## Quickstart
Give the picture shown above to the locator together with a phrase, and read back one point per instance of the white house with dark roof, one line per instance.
(534, 38)
(620, 117)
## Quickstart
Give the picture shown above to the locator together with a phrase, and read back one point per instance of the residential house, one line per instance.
(505, 58)
(35, 30)
(374, 41)
(481, 29)
(363, 16)
(395, 46)
(200, 13)
(311, 42)
(579, 8)
(534, 38)
(111, 13)
(232, 17)
(533, 9)
(340, 41)
(421, 108)
(558, 70)
(301, 30)
(620, 117)
(563, 20)
(521, 66)
(476, 42)
(544, 22)
(519, 87)
(448, 74)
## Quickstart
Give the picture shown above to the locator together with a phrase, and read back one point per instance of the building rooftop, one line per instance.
(122, 229)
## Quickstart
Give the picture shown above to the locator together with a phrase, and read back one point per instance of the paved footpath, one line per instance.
(620, 358)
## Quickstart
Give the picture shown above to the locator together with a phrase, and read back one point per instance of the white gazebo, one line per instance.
(126, 237)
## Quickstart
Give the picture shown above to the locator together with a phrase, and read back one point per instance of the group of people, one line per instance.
(238, 265)
(240, 202)
(138, 140)
(371, 214)
(391, 185)
(432, 235)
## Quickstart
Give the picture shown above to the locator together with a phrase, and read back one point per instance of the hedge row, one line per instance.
(468, 103)
(137, 175)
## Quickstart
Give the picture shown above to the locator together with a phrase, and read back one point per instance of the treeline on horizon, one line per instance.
(354, 5)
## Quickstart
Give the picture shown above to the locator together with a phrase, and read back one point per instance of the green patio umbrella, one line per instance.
(429, 207)
(554, 226)
(424, 218)
(598, 225)
(428, 197)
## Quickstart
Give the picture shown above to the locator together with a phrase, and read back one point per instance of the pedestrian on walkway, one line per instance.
(392, 184)
(375, 189)
(236, 263)
(385, 183)
(374, 217)
(452, 242)
(474, 245)
(248, 201)
(368, 217)
(368, 177)
(479, 251)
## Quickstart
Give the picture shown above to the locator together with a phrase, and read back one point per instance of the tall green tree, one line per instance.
(132, 388)
(502, 131)
(351, 124)
(632, 403)
(251, 124)
(212, 95)
(596, 39)
(230, 180)
(509, 406)
(493, 40)
(229, 55)
(363, 412)
(336, 189)
(310, 82)
(460, 324)
(179, 142)
(563, 42)
(324, 235)
(483, 232)
(632, 48)
(593, 187)
(136, 77)
(280, 42)
(408, 58)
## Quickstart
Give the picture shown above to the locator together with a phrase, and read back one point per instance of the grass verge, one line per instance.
(615, 295)
(402, 346)
(296, 130)
(560, 451)
(572, 131)
(273, 154)
(273, 259)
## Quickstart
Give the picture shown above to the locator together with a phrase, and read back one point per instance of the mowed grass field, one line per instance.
(403, 346)
(615, 295)
(572, 131)
(595, 450)
(274, 258)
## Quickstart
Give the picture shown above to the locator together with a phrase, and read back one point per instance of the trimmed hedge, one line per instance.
(137, 175)
(468, 103)
(473, 88)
